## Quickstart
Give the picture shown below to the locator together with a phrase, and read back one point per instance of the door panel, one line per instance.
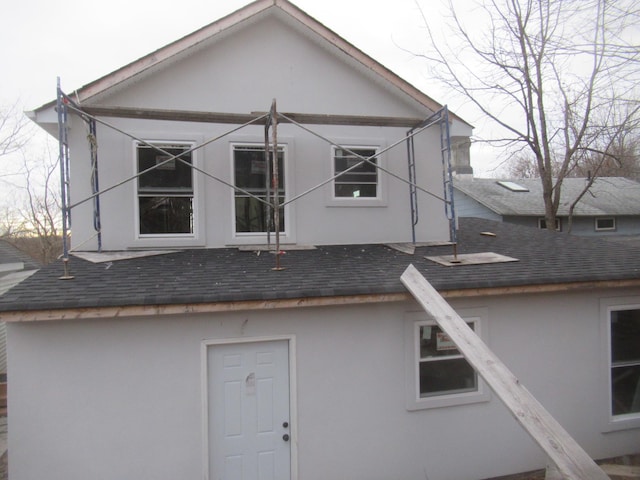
(248, 407)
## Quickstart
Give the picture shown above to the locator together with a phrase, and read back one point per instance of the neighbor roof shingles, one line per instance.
(607, 196)
(226, 275)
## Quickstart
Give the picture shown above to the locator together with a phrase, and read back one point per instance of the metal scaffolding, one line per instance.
(272, 204)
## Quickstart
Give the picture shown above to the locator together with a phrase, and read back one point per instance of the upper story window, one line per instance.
(625, 362)
(359, 181)
(253, 174)
(165, 189)
(604, 224)
(438, 374)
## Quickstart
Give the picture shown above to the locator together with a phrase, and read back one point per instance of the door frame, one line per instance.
(204, 384)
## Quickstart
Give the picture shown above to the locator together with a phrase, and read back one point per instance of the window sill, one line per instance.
(357, 202)
(259, 239)
(622, 422)
(168, 241)
(439, 401)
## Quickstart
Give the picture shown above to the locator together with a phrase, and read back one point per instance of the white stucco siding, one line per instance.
(122, 398)
(245, 71)
(313, 219)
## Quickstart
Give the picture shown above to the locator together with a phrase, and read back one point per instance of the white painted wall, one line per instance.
(242, 73)
(121, 398)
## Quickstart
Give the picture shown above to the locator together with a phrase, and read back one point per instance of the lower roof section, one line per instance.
(207, 280)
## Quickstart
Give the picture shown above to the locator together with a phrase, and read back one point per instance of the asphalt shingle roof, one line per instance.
(607, 196)
(218, 275)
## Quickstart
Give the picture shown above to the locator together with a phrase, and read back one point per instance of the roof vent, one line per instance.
(513, 186)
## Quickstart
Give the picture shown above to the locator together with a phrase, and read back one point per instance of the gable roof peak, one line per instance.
(230, 23)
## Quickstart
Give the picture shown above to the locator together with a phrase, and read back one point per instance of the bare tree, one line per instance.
(33, 224)
(15, 129)
(29, 218)
(554, 75)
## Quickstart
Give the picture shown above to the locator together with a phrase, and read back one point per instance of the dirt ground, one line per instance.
(630, 460)
(4, 466)
(537, 475)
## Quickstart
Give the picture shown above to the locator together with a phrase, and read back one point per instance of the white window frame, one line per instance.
(608, 305)
(246, 238)
(558, 224)
(605, 229)
(381, 191)
(171, 239)
(413, 400)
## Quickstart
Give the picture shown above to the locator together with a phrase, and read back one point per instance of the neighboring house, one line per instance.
(610, 207)
(179, 351)
(15, 266)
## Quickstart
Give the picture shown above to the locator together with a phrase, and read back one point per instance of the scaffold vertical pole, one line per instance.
(447, 175)
(63, 141)
(95, 184)
(276, 182)
(413, 191)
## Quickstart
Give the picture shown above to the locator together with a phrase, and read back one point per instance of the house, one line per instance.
(174, 342)
(611, 206)
(15, 266)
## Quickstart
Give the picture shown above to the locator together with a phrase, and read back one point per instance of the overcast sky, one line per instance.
(80, 41)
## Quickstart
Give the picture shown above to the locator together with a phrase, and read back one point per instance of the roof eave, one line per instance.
(19, 316)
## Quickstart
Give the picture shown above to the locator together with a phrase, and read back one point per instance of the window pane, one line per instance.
(251, 173)
(605, 224)
(166, 215)
(446, 377)
(625, 336)
(251, 215)
(355, 190)
(174, 175)
(435, 343)
(250, 168)
(625, 390)
(361, 181)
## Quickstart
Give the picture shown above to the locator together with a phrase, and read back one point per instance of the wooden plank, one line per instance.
(570, 459)
(242, 118)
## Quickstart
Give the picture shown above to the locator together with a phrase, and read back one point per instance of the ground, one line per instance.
(630, 460)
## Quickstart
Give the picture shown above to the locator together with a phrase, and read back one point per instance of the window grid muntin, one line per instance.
(346, 185)
(259, 191)
(474, 324)
(630, 366)
(165, 193)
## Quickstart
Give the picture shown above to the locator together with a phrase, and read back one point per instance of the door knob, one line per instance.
(285, 425)
(285, 437)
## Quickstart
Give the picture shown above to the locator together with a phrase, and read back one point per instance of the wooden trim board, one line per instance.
(571, 460)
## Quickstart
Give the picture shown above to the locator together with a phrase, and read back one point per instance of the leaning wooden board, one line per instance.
(571, 460)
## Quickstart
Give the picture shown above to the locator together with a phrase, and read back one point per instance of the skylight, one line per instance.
(513, 186)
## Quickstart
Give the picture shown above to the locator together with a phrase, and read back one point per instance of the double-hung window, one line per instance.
(357, 178)
(442, 370)
(165, 189)
(624, 334)
(438, 375)
(254, 176)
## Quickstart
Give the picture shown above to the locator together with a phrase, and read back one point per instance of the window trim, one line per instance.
(412, 323)
(380, 200)
(613, 422)
(246, 238)
(558, 223)
(170, 239)
(605, 229)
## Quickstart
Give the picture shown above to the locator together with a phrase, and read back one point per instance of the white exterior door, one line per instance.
(248, 410)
